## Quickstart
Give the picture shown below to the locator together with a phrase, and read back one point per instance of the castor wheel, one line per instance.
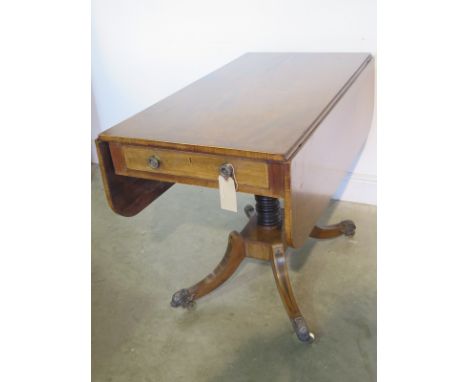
(183, 298)
(302, 330)
(347, 227)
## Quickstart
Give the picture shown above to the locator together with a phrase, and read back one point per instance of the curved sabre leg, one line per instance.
(234, 255)
(346, 227)
(280, 271)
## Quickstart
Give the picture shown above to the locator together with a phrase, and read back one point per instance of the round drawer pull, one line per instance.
(226, 170)
(154, 162)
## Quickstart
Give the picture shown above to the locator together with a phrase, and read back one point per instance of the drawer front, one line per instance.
(187, 165)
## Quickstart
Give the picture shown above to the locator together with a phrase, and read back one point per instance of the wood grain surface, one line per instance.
(126, 195)
(261, 105)
(323, 161)
(196, 165)
(253, 176)
(292, 124)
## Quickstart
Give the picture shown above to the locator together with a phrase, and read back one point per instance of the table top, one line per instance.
(261, 105)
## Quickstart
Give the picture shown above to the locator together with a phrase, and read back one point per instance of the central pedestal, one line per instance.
(262, 238)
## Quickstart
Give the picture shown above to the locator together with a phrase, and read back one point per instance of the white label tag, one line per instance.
(227, 193)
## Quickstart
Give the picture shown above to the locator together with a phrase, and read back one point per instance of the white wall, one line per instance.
(144, 50)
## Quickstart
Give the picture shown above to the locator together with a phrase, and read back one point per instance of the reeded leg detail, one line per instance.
(280, 272)
(346, 227)
(234, 255)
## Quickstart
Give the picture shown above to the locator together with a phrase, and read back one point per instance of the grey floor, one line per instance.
(240, 332)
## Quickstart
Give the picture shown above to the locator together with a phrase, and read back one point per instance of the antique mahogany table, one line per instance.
(285, 125)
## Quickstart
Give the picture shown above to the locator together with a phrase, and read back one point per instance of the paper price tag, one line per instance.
(227, 193)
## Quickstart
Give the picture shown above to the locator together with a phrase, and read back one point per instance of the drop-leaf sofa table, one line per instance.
(285, 125)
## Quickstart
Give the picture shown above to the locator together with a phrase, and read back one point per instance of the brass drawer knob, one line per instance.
(226, 170)
(154, 162)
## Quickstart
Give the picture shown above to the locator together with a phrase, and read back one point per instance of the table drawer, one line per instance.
(182, 166)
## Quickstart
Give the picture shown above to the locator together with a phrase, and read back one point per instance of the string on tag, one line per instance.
(227, 171)
(234, 177)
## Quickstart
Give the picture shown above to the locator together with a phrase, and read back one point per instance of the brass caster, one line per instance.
(184, 299)
(347, 227)
(302, 330)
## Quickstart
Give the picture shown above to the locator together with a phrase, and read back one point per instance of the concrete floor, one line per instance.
(240, 332)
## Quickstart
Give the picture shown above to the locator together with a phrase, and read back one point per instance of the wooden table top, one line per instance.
(261, 105)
